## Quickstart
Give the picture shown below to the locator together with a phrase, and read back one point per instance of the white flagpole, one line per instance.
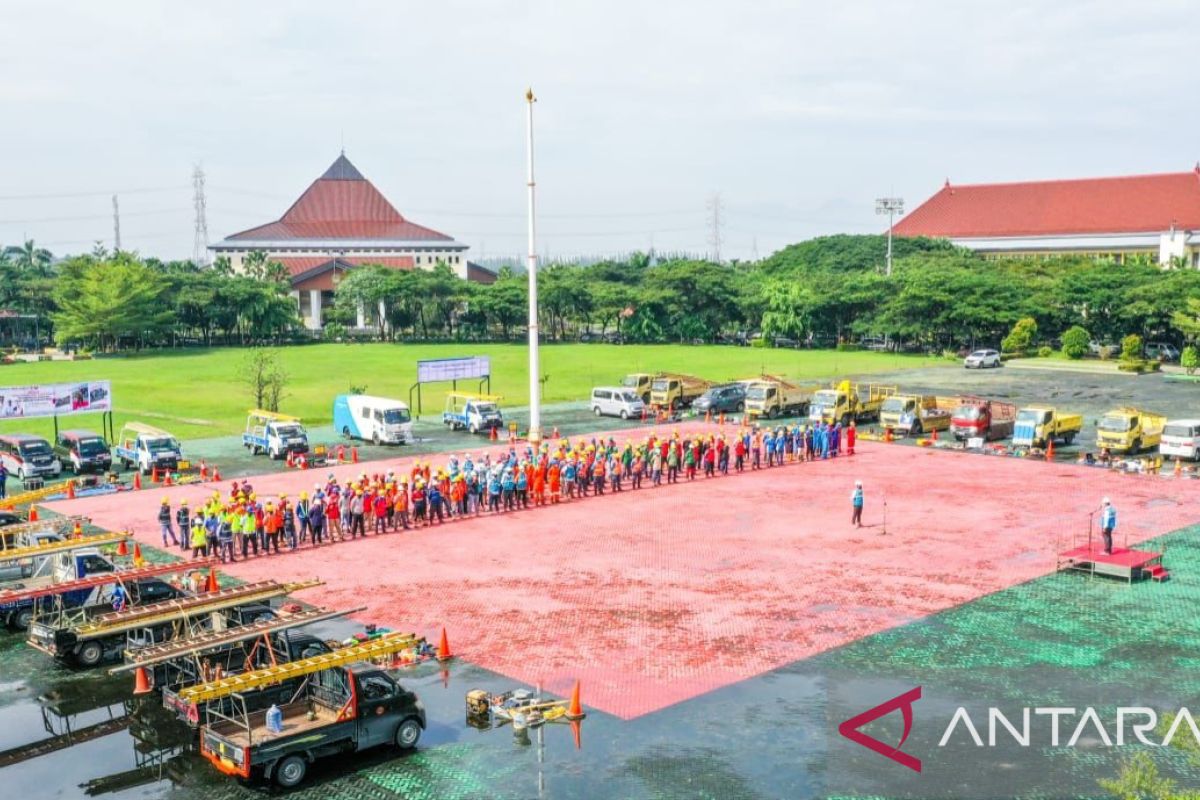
(535, 399)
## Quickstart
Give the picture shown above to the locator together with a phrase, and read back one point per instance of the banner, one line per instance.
(55, 399)
(453, 369)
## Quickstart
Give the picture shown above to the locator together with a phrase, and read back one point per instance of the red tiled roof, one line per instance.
(302, 264)
(341, 204)
(1132, 204)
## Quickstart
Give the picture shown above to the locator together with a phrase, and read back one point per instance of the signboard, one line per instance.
(975, 443)
(453, 369)
(55, 399)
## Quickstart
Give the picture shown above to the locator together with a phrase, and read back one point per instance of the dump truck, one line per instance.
(1037, 426)
(976, 418)
(845, 402)
(344, 704)
(146, 447)
(1129, 430)
(472, 412)
(773, 397)
(917, 413)
(274, 434)
(639, 384)
(674, 391)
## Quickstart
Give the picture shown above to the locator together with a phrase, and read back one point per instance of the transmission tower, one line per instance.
(116, 226)
(200, 242)
(716, 232)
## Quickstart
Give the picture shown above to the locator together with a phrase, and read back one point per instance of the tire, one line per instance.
(1070, 437)
(474, 428)
(22, 618)
(624, 414)
(845, 420)
(375, 438)
(1136, 447)
(289, 773)
(89, 654)
(596, 410)
(675, 404)
(917, 429)
(345, 431)
(739, 408)
(770, 413)
(21, 474)
(275, 455)
(408, 734)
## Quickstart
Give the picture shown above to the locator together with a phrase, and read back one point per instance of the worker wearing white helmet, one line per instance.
(1108, 523)
(856, 501)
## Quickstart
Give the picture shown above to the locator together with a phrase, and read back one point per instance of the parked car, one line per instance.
(873, 343)
(1162, 351)
(28, 456)
(83, 451)
(982, 359)
(729, 398)
(615, 401)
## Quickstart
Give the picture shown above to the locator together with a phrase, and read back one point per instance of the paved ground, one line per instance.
(659, 596)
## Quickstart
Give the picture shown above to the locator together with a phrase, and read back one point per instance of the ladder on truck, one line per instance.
(208, 642)
(64, 546)
(386, 645)
(57, 524)
(100, 579)
(170, 611)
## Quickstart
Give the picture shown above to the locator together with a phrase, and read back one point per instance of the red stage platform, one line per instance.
(1120, 563)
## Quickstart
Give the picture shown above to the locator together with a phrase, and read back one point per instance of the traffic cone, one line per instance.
(1050, 449)
(70, 490)
(203, 472)
(354, 454)
(154, 474)
(33, 515)
(141, 681)
(216, 474)
(211, 584)
(444, 648)
(933, 434)
(167, 478)
(137, 555)
(291, 460)
(493, 436)
(555, 435)
(575, 709)
(708, 417)
(722, 418)
(1178, 467)
(123, 548)
(137, 480)
(77, 531)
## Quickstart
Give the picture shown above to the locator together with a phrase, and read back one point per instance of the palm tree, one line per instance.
(30, 257)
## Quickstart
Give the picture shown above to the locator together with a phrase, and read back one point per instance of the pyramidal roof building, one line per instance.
(342, 222)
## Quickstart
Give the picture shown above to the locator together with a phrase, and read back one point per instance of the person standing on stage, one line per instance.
(856, 500)
(1108, 524)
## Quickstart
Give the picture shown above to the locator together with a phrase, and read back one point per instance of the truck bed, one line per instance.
(295, 722)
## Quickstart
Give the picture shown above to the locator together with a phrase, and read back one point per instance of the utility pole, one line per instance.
(200, 204)
(716, 234)
(535, 384)
(890, 206)
(116, 226)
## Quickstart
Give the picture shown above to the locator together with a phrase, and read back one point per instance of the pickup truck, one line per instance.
(146, 448)
(915, 414)
(51, 569)
(1037, 426)
(1129, 430)
(335, 711)
(976, 418)
(471, 412)
(274, 434)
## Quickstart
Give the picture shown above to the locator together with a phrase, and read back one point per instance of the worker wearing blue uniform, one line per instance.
(856, 502)
(1108, 524)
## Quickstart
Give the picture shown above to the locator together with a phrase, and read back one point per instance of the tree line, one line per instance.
(821, 292)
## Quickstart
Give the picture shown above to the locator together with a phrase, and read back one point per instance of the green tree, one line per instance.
(1189, 359)
(1075, 342)
(1022, 337)
(30, 258)
(1131, 347)
(108, 302)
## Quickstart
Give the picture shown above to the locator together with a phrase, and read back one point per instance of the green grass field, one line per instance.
(196, 393)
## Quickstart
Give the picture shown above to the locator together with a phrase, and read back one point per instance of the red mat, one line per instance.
(657, 596)
(1118, 557)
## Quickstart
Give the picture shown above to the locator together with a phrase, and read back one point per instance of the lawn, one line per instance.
(196, 393)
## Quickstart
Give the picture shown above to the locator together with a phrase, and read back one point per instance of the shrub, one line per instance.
(848, 346)
(1189, 359)
(1075, 342)
(1138, 365)
(1131, 348)
(760, 342)
(1045, 351)
(1021, 337)
(334, 332)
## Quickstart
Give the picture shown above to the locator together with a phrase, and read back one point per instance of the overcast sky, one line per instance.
(798, 114)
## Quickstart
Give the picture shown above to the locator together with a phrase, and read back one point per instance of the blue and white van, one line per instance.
(372, 419)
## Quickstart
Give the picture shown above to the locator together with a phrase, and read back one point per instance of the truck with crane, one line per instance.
(277, 435)
(989, 420)
(847, 402)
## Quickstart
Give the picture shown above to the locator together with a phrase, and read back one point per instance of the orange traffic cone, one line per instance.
(575, 709)
(555, 434)
(77, 531)
(354, 454)
(887, 434)
(167, 478)
(70, 490)
(141, 681)
(137, 555)
(1178, 466)
(203, 471)
(137, 480)
(211, 585)
(722, 418)
(154, 474)
(444, 648)
(933, 434)
(291, 460)
(708, 417)
(33, 515)
(493, 435)
(1050, 449)
(216, 474)
(123, 548)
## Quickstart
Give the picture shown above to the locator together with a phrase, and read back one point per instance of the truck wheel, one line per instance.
(624, 414)
(916, 429)
(89, 654)
(845, 420)
(675, 404)
(770, 413)
(408, 733)
(22, 618)
(345, 431)
(474, 428)
(375, 438)
(1070, 437)
(1136, 447)
(290, 772)
(596, 410)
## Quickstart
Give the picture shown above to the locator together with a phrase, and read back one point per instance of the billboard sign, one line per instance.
(453, 369)
(55, 399)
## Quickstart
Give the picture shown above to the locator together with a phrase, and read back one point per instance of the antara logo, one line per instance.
(904, 702)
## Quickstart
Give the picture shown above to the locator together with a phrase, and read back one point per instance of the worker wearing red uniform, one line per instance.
(554, 479)
(851, 435)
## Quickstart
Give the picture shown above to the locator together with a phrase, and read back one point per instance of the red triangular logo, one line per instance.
(850, 728)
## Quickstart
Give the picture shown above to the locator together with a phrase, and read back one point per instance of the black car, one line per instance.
(729, 399)
(10, 518)
(83, 451)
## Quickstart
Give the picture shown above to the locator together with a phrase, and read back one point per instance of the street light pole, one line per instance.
(890, 206)
(535, 399)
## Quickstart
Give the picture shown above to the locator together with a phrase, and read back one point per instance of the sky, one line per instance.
(793, 117)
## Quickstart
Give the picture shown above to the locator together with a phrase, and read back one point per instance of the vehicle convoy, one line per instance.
(1037, 426)
(1129, 430)
(23, 554)
(674, 390)
(773, 397)
(147, 448)
(616, 401)
(472, 412)
(915, 413)
(87, 640)
(846, 402)
(83, 451)
(1181, 439)
(343, 704)
(372, 419)
(54, 570)
(26, 457)
(639, 383)
(728, 398)
(274, 434)
(976, 418)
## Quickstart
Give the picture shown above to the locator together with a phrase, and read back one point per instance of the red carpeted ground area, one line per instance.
(657, 596)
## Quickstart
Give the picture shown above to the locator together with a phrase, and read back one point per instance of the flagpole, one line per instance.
(535, 398)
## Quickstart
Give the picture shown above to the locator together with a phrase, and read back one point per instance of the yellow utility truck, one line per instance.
(772, 397)
(1129, 430)
(846, 402)
(672, 390)
(917, 413)
(639, 384)
(1038, 425)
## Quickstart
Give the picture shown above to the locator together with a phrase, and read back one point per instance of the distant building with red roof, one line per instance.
(1156, 215)
(341, 222)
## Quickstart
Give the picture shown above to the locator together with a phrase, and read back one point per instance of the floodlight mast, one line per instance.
(890, 206)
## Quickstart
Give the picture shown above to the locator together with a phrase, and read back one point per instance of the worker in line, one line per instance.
(245, 529)
(164, 521)
(302, 506)
(212, 531)
(401, 504)
(225, 537)
(521, 486)
(289, 524)
(3, 481)
(433, 495)
(382, 507)
(183, 520)
(856, 502)
(326, 518)
(851, 435)
(272, 524)
(1108, 524)
(357, 515)
(199, 536)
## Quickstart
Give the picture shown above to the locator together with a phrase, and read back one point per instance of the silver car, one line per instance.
(982, 359)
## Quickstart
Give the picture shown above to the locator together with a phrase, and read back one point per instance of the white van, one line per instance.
(1181, 439)
(372, 419)
(616, 401)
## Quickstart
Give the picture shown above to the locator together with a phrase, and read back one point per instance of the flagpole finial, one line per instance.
(529, 98)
